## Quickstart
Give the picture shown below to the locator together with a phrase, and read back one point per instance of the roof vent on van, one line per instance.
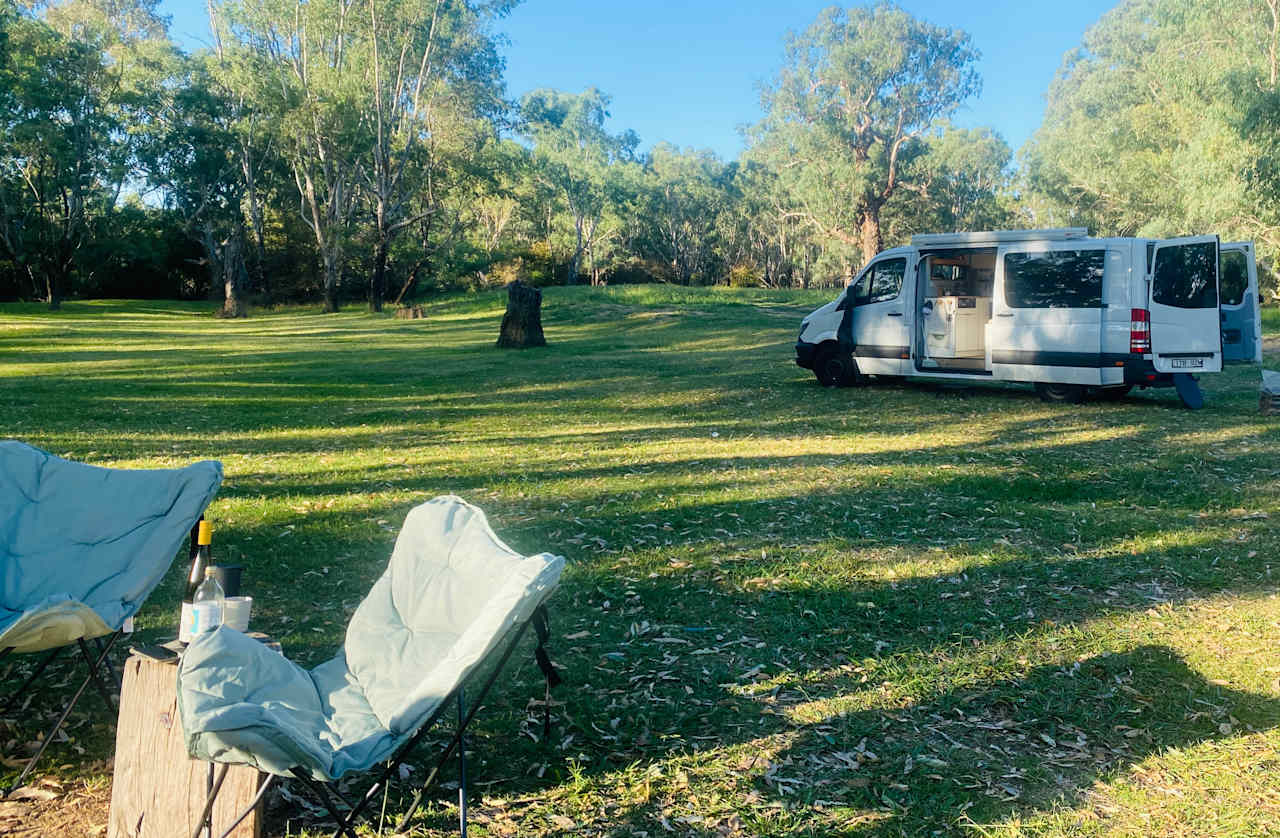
(992, 237)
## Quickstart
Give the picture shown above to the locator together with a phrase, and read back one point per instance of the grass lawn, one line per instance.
(787, 610)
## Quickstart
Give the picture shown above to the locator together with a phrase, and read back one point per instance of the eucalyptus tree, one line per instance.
(680, 200)
(231, 76)
(963, 182)
(192, 156)
(77, 82)
(434, 80)
(307, 64)
(1157, 123)
(765, 240)
(574, 154)
(846, 114)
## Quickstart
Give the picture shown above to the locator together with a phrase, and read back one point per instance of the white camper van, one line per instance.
(1055, 308)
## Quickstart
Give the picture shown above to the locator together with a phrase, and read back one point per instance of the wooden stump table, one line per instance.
(157, 790)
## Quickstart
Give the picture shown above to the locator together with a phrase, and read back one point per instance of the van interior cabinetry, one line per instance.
(954, 326)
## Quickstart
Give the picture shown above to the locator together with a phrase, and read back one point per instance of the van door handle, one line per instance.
(1004, 314)
(895, 314)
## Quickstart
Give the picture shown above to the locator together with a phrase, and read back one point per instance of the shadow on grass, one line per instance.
(781, 682)
(976, 755)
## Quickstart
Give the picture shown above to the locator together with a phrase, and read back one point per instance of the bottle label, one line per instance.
(185, 623)
(208, 616)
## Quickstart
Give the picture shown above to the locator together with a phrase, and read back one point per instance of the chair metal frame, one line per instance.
(100, 670)
(104, 683)
(326, 792)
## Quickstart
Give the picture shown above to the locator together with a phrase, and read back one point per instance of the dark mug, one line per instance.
(228, 576)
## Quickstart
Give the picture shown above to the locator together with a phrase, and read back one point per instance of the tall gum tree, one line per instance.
(1157, 124)
(846, 114)
(573, 154)
(79, 79)
(431, 64)
(310, 54)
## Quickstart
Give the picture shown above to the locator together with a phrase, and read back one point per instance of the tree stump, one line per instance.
(156, 789)
(522, 324)
(410, 313)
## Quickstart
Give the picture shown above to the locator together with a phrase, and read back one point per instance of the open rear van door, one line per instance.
(1185, 332)
(1241, 314)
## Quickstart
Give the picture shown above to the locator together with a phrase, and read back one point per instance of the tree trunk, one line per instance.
(260, 280)
(576, 261)
(869, 234)
(234, 275)
(522, 324)
(378, 281)
(332, 269)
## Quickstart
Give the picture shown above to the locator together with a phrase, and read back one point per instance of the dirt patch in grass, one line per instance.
(48, 810)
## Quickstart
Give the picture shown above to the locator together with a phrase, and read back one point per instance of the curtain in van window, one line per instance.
(1057, 279)
(1184, 276)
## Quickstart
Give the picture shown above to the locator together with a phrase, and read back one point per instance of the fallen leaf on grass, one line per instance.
(34, 793)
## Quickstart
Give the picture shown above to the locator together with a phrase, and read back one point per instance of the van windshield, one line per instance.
(1185, 276)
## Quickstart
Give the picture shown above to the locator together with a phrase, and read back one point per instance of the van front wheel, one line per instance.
(835, 368)
(1061, 393)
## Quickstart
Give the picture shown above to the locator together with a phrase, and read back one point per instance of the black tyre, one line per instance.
(835, 368)
(1061, 393)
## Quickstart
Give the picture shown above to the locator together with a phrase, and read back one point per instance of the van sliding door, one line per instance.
(1185, 332)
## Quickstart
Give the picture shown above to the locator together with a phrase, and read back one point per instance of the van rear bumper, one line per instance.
(1140, 372)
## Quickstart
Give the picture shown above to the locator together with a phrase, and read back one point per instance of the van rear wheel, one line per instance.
(1060, 393)
(835, 368)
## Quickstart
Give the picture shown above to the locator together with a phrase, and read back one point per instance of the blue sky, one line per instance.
(687, 72)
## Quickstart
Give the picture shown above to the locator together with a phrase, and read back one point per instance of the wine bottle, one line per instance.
(200, 562)
(199, 567)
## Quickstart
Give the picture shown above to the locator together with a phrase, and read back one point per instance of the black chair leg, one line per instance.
(66, 711)
(457, 737)
(322, 791)
(31, 679)
(95, 671)
(115, 680)
(462, 771)
(257, 798)
(212, 786)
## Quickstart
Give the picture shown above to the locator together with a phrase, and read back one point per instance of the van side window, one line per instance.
(1233, 277)
(1057, 279)
(882, 282)
(1183, 276)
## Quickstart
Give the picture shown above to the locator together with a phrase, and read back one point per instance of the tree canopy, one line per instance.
(343, 150)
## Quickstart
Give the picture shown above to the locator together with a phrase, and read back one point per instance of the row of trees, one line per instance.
(366, 149)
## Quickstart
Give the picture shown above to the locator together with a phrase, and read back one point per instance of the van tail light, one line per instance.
(1139, 331)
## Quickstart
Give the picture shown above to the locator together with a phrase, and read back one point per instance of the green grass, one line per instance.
(787, 610)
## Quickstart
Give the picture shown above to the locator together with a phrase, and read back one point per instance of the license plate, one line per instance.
(1187, 363)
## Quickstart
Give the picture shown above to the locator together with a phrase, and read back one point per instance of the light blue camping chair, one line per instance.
(448, 611)
(81, 548)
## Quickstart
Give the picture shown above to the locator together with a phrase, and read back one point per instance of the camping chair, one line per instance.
(450, 608)
(81, 548)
